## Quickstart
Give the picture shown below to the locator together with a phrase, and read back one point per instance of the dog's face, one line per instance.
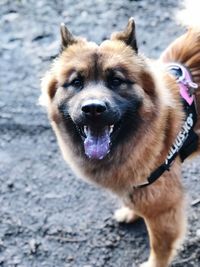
(100, 95)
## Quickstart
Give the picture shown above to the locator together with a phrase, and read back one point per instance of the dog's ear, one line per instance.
(128, 35)
(66, 37)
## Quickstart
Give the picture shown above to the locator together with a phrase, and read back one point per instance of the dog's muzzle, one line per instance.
(97, 129)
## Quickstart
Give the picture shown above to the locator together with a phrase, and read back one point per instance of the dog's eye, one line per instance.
(115, 82)
(77, 83)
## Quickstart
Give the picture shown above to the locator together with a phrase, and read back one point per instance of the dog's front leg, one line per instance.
(166, 230)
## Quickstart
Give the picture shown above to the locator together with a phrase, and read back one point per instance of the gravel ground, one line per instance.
(47, 216)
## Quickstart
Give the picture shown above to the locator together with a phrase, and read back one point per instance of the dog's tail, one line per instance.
(190, 14)
(186, 49)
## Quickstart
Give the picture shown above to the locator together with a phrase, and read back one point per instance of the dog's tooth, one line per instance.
(111, 128)
(85, 128)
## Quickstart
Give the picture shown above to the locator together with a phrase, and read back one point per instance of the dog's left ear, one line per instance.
(66, 37)
(128, 35)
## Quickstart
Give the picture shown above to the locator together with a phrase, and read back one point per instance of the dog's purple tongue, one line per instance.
(97, 145)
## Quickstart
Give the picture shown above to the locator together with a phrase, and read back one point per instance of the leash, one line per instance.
(186, 141)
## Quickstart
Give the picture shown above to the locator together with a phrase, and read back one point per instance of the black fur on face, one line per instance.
(122, 112)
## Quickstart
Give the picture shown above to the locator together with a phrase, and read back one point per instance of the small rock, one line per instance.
(16, 261)
(195, 202)
(28, 190)
(10, 184)
(10, 16)
(70, 258)
(34, 246)
(2, 260)
(198, 233)
(1, 242)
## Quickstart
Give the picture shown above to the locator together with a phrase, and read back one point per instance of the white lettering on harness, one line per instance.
(182, 136)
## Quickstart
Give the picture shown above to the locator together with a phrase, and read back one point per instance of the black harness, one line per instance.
(187, 140)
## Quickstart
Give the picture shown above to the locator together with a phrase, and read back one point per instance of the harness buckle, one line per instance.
(185, 79)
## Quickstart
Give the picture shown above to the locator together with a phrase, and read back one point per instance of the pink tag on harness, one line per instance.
(185, 94)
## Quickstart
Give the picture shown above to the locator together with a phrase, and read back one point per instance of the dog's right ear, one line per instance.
(66, 37)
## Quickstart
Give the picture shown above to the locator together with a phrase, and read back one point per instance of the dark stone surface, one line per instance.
(47, 216)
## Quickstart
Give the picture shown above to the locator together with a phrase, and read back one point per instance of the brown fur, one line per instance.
(161, 204)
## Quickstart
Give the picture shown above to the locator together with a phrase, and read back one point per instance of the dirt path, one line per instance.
(47, 216)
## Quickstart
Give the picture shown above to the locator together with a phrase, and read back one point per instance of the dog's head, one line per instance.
(100, 95)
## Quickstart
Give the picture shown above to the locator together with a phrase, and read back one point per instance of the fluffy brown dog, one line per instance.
(116, 115)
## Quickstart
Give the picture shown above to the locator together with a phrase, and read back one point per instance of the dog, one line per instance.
(116, 116)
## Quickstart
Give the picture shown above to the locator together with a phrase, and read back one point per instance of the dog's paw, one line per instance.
(125, 215)
(146, 264)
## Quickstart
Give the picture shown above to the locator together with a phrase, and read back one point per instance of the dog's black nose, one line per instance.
(93, 107)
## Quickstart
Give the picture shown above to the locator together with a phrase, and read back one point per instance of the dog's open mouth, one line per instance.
(97, 141)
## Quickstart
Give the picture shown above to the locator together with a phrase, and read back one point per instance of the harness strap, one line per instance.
(187, 140)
